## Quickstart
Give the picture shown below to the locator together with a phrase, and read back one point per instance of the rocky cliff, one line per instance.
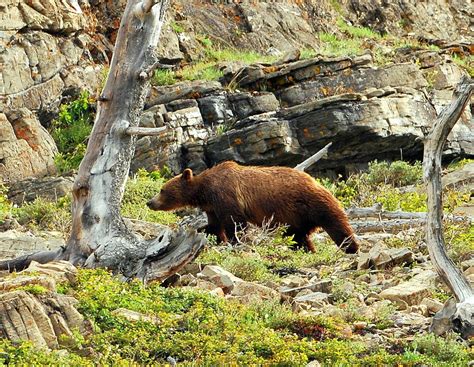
(277, 114)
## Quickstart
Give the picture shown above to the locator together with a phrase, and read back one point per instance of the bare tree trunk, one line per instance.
(463, 317)
(99, 236)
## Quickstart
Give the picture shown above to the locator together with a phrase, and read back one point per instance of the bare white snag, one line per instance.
(463, 317)
(99, 236)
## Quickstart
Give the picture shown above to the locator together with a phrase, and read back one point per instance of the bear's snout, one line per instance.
(150, 204)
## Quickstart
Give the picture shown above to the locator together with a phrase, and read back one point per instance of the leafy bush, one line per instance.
(5, 205)
(46, 215)
(443, 349)
(272, 254)
(397, 174)
(141, 188)
(382, 184)
(164, 77)
(71, 130)
(207, 67)
(56, 215)
(357, 32)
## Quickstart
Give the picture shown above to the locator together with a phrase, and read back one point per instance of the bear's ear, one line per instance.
(187, 174)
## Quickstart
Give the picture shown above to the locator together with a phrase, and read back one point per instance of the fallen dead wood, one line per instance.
(377, 212)
(387, 226)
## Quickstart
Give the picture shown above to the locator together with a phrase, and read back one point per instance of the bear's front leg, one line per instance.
(215, 228)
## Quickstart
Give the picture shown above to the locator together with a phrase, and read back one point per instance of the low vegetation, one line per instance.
(195, 328)
(208, 66)
(71, 131)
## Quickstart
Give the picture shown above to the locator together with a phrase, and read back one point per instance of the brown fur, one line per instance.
(231, 194)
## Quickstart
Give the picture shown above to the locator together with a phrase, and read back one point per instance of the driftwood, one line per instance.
(463, 314)
(99, 236)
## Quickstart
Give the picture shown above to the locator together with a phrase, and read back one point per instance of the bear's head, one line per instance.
(174, 194)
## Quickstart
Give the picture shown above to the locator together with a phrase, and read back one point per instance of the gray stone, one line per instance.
(463, 178)
(26, 148)
(180, 104)
(353, 81)
(270, 142)
(183, 90)
(50, 188)
(220, 277)
(14, 243)
(247, 292)
(215, 110)
(324, 286)
(380, 257)
(312, 298)
(135, 316)
(248, 104)
(412, 291)
(433, 306)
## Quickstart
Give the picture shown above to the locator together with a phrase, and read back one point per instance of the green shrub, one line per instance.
(5, 205)
(459, 239)
(178, 28)
(357, 32)
(139, 189)
(198, 329)
(164, 77)
(46, 215)
(444, 349)
(397, 174)
(71, 130)
(332, 45)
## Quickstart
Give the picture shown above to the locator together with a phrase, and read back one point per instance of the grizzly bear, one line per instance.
(232, 194)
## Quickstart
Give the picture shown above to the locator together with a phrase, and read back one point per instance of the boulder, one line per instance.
(26, 148)
(14, 243)
(462, 178)
(220, 277)
(380, 257)
(43, 320)
(49, 188)
(310, 300)
(249, 104)
(323, 286)
(247, 292)
(412, 291)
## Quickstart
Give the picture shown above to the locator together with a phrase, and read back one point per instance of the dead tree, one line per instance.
(462, 317)
(99, 236)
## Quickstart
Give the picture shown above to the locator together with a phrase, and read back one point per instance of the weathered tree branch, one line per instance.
(463, 319)
(145, 131)
(303, 166)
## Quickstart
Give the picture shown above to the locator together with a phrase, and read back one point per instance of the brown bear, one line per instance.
(232, 194)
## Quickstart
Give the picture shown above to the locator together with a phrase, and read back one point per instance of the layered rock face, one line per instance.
(49, 51)
(292, 110)
(42, 55)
